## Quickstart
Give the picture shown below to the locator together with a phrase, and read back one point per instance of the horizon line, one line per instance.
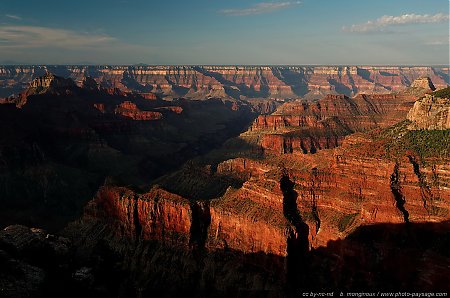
(229, 65)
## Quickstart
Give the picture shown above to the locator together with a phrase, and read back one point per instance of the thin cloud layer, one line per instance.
(260, 8)
(32, 37)
(14, 17)
(46, 45)
(441, 42)
(381, 24)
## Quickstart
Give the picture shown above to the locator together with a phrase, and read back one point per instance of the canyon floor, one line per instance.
(117, 191)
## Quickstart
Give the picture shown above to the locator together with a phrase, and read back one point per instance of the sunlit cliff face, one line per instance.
(249, 82)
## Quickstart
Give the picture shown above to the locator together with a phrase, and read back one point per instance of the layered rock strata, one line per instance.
(234, 81)
(430, 112)
(307, 127)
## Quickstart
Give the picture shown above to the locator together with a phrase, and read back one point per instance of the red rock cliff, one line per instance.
(156, 215)
(129, 109)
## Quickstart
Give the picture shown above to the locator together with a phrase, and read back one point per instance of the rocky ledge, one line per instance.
(424, 83)
(431, 112)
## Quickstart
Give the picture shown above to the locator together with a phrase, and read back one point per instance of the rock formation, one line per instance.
(431, 112)
(49, 80)
(423, 83)
(89, 84)
(199, 82)
(336, 191)
(129, 109)
(307, 127)
(333, 202)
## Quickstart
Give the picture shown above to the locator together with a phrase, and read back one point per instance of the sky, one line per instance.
(230, 32)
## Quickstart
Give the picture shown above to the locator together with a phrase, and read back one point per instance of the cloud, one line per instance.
(381, 24)
(440, 42)
(46, 45)
(260, 8)
(14, 17)
(35, 37)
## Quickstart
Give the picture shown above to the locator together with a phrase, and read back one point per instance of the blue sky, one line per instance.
(317, 32)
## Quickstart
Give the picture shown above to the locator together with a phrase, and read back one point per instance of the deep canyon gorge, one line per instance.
(223, 180)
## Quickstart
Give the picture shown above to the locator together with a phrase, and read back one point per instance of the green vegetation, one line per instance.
(438, 211)
(346, 221)
(430, 143)
(443, 93)
(426, 143)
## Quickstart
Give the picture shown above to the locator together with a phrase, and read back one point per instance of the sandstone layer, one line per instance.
(232, 81)
(431, 112)
(306, 127)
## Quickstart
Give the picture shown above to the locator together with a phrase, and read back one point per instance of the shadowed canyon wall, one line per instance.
(59, 142)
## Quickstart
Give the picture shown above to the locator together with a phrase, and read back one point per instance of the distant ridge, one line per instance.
(233, 81)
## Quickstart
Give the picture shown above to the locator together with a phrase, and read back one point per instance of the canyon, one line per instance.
(292, 210)
(243, 195)
(55, 131)
(197, 82)
(356, 183)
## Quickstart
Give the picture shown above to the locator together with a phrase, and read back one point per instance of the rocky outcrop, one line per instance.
(423, 83)
(149, 96)
(174, 109)
(49, 83)
(242, 167)
(173, 220)
(359, 113)
(249, 221)
(46, 84)
(285, 144)
(338, 190)
(430, 113)
(306, 127)
(90, 84)
(50, 80)
(155, 215)
(129, 109)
